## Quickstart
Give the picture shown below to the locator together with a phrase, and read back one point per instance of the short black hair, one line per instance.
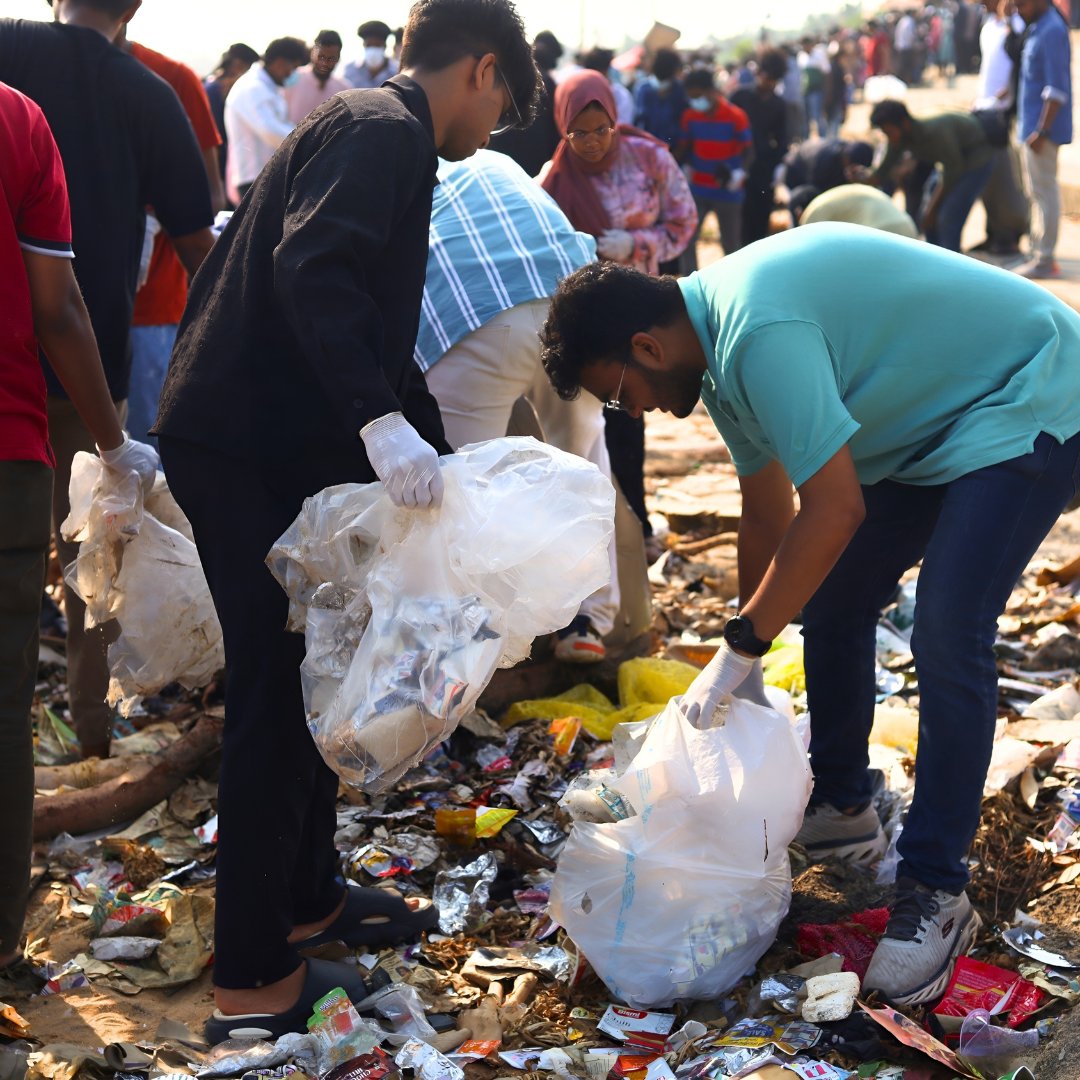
(286, 48)
(594, 314)
(547, 49)
(889, 112)
(441, 32)
(666, 63)
(773, 63)
(699, 79)
(114, 8)
(859, 153)
(328, 39)
(597, 59)
(375, 28)
(237, 51)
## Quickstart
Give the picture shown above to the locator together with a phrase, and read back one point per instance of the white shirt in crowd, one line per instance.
(995, 71)
(256, 121)
(907, 33)
(624, 103)
(359, 75)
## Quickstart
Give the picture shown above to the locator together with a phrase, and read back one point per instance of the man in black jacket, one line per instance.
(293, 370)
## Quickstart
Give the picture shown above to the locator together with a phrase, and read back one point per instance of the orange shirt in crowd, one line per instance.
(160, 302)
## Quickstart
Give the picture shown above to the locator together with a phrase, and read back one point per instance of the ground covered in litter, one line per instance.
(121, 921)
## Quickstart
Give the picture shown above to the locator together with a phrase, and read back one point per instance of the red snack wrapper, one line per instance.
(854, 940)
(975, 985)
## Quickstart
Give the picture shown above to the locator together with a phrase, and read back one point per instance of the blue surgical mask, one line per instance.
(292, 80)
(699, 104)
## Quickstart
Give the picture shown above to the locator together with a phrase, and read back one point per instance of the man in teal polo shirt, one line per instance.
(925, 406)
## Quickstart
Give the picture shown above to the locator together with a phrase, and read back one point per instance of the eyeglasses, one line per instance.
(511, 115)
(615, 405)
(597, 133)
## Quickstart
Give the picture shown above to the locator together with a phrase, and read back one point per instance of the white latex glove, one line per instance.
(722, 676)
(135, 457)
(738, 178)
(615, 244)
(408, 466)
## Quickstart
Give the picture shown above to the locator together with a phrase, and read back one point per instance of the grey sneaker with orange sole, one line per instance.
(856, 838)
(928, 929)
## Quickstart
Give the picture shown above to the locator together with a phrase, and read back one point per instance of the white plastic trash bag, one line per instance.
(680, 899)
(408, 613)
(137, 564)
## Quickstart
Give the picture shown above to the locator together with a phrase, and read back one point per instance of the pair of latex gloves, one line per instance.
(404, 462)
(728, 673)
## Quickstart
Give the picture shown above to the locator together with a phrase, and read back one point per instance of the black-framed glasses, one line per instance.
(511, 115)
(615, 404)
(600, 133)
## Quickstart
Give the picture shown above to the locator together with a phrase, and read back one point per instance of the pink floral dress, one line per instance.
(645, 193)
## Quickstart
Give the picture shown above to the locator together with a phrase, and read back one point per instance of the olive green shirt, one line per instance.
(954, 140)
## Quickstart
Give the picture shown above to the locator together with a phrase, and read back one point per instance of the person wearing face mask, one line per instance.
(257, 112)
(715, 145)
(659, 100)
(376, 66)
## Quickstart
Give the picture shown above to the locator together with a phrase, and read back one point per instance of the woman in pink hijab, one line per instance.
(624, 187)
(616, 182)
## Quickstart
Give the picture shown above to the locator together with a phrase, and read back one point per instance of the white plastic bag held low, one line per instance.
(408, 613)
(137, 564)
(680, 900)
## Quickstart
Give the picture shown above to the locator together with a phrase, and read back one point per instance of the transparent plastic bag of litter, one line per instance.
(137, 564)
(681, 898)
(408, 613)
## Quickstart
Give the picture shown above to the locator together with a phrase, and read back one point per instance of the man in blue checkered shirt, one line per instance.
(499, 245)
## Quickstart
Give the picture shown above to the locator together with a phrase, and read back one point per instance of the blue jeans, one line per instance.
(151, 347)
(974, 536)
(956, 205)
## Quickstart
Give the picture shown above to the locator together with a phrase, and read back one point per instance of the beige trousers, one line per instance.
(1040, 172)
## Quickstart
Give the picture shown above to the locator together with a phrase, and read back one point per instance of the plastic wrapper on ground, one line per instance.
(681, 899)
(137, 563)
(409, 613)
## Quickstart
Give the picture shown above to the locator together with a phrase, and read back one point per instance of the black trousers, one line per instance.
(277, 864)
(757, 206)
(625, 438)
(25, 506)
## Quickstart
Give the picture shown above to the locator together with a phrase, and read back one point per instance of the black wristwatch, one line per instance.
(739, 634)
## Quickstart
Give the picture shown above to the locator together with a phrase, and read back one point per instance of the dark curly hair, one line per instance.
(594, 314)
(773, 63)
(439, 33)
(889, 112)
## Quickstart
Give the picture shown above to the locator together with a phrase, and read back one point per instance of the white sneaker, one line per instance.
(579, 643)
(928, 929)
(855, 838)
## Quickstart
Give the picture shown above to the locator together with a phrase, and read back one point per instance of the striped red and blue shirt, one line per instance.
(718, 137)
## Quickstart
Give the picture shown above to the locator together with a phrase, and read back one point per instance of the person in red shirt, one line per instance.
(40, 305)
(715, 139)
(160, 301)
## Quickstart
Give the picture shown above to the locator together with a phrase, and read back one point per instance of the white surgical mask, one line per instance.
(374, 55)
(699, 104)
